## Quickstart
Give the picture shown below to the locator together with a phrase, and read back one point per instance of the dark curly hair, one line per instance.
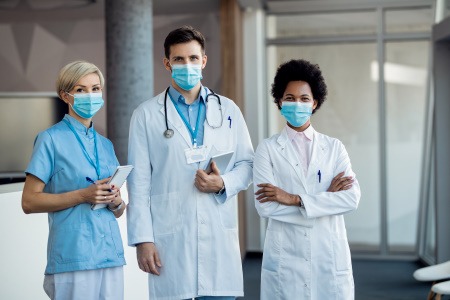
(299, 69)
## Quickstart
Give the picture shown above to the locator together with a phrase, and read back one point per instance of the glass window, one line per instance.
(406, 86)
(323, 24)
(412, 20)
(350, 114)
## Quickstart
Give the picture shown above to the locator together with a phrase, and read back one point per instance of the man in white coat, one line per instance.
(304, 184)
(183, 220)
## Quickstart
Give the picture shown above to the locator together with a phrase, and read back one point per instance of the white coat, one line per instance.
(195, 234)
(306, 253)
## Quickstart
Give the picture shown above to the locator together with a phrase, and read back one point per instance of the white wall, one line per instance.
(23, 254)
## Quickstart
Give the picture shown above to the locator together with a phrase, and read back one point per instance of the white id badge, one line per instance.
(197, 154)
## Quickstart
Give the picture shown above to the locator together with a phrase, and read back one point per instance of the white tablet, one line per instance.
(222, 160)
(117, 179)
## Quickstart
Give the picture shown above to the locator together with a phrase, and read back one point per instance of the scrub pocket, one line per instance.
(117, 239)
(72, 243)
(166, 213)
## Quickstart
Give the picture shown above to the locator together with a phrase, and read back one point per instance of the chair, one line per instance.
(440, 289)
(435, 274)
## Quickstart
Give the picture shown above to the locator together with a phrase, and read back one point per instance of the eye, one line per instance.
(289, 98)
(305, 99)
(80, 90)
(96, 89)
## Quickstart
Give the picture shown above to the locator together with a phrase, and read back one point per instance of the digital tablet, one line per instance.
(117, 179)
(222, 160)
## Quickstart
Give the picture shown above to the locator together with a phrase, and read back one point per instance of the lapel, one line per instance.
(286, 150)
(319, 152)
(174, 119)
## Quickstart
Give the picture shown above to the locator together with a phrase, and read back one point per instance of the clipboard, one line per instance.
(222, 160)
(117, 179)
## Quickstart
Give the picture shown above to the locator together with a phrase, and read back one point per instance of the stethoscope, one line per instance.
(168, 133)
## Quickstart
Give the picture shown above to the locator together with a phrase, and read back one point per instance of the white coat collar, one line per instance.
(286, 150)
(173, 118)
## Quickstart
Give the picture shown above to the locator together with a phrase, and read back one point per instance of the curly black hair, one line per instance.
(299, 69)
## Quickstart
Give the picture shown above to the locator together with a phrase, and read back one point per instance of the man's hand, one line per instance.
(340, 183)
(148, 258)
(209, 183)
(268, 192)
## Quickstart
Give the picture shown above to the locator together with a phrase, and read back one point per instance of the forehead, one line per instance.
(89, 80)
(186, 49)
(298, 88)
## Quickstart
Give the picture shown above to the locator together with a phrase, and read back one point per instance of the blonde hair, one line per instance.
(73, 72)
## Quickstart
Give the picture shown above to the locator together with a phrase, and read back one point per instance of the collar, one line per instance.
(177, 95)
(78, 126)
(308, 132)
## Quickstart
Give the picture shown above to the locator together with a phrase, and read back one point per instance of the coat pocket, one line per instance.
(117, 239)
(166, 213)
(342, 254)
(228, 214)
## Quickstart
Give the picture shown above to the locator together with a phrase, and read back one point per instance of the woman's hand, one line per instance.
(269, 192)
(99, 193)
(340, 183)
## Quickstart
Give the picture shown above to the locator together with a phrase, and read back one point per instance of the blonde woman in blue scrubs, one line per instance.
(85, 254)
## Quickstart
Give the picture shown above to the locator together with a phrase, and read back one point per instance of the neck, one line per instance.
(301, 128)
(85, 122)
(189, 96)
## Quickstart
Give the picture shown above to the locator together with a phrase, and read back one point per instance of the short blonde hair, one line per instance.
(73, 72)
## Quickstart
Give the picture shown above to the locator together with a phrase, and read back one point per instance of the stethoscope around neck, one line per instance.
(168, 133)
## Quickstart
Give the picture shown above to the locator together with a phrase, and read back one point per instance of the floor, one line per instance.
(374, 279)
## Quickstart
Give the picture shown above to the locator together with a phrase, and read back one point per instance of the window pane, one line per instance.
(324, 24)
(413, 20)
(349, 114)
(405, 78)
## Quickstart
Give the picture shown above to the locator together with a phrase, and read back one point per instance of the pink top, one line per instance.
(302, 142)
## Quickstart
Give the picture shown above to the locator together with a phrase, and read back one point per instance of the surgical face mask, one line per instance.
(187, 76)
(296, 113)
(86, 105)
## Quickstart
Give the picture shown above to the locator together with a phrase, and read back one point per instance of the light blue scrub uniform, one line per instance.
(79, 238)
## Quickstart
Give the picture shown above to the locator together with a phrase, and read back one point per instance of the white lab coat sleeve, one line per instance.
(263, 173)
(139, 219)
(240, 176)
(334, 203)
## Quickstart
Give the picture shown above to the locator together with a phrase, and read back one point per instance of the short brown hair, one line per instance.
(182, 35)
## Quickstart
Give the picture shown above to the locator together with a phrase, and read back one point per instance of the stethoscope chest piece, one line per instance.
(168, 133)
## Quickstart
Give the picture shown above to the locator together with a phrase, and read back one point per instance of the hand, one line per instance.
(268, 192)
(98, 193)
(340, 183)
(117, 198)
(209, 183)
(148, 258)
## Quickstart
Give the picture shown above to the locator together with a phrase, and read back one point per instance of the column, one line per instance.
(129, 65)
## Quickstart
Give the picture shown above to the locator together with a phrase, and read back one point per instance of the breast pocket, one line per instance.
(166, 213)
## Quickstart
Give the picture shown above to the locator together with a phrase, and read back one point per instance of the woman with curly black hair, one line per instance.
(304, 185)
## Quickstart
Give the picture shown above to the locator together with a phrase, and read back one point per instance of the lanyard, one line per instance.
(96, 165)
(186, 122)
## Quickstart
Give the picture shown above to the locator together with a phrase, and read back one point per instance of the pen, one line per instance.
(229, 119)
(320, 175)
(88, 179)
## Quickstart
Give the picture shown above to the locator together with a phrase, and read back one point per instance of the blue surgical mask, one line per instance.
(86, 105)
(296, 113)
(187, 76)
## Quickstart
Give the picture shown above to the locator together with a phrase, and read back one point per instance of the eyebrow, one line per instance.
(303, 95)
(84, 85)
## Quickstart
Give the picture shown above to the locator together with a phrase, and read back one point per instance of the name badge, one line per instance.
(197, 154)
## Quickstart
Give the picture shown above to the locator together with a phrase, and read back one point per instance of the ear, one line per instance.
(204, 60)
(64, 97)
(166, 64)
(315, 104)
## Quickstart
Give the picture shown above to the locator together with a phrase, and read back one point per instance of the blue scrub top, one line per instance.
(79, 238)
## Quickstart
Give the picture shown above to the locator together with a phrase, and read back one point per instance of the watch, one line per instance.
(301, 202)
(118, 207)
(221, 191)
